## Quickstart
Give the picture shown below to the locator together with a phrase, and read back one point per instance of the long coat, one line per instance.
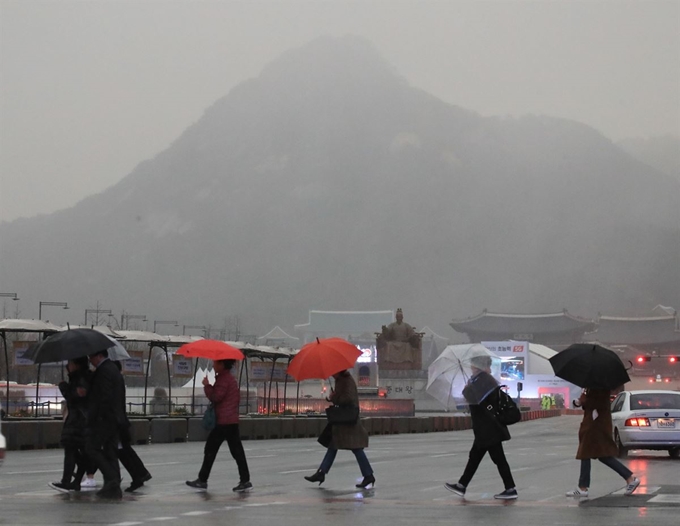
(73, 432)
(487, 430)
(595, 435)
(106, 402)
(347, 436)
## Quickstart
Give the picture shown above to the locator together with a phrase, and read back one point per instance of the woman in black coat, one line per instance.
(73, 433)
(481, 392)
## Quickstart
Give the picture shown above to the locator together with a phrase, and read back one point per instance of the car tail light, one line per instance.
(637, 422)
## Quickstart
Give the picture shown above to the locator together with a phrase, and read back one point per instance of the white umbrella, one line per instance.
(116, 352)
(449, 373)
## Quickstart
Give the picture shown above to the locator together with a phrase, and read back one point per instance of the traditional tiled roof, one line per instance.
(277, 333)
(503, 323)
(346, 322)
(632, 331)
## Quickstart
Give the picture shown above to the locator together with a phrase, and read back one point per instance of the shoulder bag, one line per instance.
(342, 414)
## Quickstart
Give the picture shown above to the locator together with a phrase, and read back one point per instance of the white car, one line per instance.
(3, 445)
(647, 420)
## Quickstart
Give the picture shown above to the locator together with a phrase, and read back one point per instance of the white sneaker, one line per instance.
(630, 488)
(577, 493)
(88, 484)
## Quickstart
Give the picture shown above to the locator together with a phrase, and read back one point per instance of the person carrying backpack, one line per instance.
(483, 394)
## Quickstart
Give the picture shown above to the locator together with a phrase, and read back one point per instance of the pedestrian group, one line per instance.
(96, 432)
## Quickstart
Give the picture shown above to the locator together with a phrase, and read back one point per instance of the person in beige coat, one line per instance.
(346, 436)
(595, 441)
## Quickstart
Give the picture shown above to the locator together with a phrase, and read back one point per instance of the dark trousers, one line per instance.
(497, 456)
(132, 463)
(611, 462)
(219, 434)
(74, 456)
(101, 448)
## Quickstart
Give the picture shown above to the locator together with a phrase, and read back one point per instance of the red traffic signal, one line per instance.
(673, 359)
(642, 359)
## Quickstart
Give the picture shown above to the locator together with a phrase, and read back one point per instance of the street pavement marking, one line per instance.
(665, 499)
(193, 514)
(126, 523)
(444, 455)
(262, 456)
(158, 519)
(297, 471)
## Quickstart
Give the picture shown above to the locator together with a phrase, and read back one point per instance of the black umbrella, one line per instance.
(67, 345)
(590, 366)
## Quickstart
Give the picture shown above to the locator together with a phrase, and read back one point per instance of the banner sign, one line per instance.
(262, 372)
(133, 365)
(20, 349)
(182, 367)
(513, 357)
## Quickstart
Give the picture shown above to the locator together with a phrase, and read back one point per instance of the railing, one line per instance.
(368, 407)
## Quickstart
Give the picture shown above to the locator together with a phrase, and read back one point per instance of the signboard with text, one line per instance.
(513, 357)
(134, 365)
(20, 349)
(262, 372)
(182, 367)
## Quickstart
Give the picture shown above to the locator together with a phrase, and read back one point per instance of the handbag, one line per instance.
(342, 414)
(209, 419)
(505, 410)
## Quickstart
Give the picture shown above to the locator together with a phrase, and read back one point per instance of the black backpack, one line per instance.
(505, 411)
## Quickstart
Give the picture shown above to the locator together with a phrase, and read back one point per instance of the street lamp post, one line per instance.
(97, 312)
(202, 327)
(12, 295)
(160, 322)
(125, 318)
(51, 304)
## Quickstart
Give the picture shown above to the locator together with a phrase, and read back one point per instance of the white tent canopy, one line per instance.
(20, 325)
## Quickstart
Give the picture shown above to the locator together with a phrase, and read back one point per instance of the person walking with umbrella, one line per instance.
(73, 433)
(106, 416)
(481, 392)
(595, 441)
(353, 437)
(332, 357)
(225, 397)
(598, 370)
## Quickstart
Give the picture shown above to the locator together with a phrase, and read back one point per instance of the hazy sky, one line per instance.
(89, 89)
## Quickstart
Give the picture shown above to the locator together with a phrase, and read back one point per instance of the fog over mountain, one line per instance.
(328, 182)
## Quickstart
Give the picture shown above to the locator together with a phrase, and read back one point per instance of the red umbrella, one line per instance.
(323, 358)
(211, 349)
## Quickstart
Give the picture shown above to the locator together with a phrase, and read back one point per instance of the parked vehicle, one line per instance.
(647, 420)
(3, 444)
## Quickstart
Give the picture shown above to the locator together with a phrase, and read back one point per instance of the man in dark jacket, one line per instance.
(481, 392)
(106, 415)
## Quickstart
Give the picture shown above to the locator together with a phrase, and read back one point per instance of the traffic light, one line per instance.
(672, 359)
(642, 359)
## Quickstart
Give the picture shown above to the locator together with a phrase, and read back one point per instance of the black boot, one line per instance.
(370, 479)
(319, 477)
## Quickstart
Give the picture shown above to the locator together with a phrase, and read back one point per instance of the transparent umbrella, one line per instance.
(450, 372)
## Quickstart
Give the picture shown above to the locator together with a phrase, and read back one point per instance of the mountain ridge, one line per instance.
(364, 194)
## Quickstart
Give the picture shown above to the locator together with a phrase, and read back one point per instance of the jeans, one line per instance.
(364, 464)
(584, 477)
(219, 434)
(497, 456)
